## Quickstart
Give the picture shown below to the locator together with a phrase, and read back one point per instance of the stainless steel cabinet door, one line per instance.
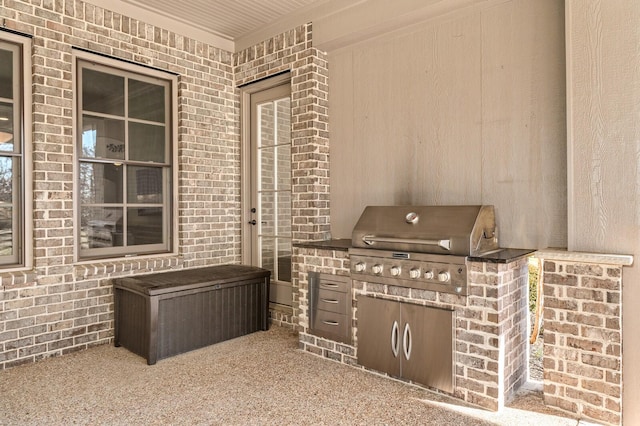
(427, 346)
(379, 335)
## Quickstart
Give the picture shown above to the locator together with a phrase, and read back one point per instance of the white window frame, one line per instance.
(119, 67)
(23, 254)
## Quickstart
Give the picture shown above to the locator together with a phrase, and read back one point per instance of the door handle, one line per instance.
(252, 222)
(395, 342)
(406, 341)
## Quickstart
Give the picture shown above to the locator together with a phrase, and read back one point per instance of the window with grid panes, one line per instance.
(12, 154)
(124, 161)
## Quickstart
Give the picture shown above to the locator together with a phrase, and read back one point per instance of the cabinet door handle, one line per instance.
(406, 341)
(334, 323)
(395, 342)
(334, 301)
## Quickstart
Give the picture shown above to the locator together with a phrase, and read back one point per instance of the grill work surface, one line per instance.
(161, 315)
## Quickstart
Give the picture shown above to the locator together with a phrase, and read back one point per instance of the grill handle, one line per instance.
(371, 239)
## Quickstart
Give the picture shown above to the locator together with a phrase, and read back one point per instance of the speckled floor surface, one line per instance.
(259, 379)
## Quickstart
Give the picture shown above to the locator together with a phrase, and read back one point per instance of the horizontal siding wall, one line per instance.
(60, 306)
(464, 109)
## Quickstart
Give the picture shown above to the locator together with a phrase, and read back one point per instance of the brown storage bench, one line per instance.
(165, 314)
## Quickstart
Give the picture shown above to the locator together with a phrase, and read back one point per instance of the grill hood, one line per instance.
(453, 230)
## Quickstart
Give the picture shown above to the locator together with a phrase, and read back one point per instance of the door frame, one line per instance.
(245, 155)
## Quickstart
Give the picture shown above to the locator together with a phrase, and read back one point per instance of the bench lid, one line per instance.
(188, 279)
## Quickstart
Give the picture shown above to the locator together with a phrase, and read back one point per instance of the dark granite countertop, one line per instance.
(343, 244)
(505, 255)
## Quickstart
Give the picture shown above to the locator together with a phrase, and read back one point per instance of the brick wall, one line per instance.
(62, 306)
(293, 51)
(582, 338)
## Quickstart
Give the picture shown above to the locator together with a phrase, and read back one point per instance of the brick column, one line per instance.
(491, 360)
(583, 334)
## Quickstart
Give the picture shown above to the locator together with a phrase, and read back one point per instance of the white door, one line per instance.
(270, 211)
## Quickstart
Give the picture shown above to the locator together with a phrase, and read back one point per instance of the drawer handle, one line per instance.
(329, 285)
(334, 323)
(334, 301)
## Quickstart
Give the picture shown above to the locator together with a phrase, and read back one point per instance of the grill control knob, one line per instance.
(377, 269)
(360, 267)
(443, 276)
(395, 271)
(414, 273)
(428, 275)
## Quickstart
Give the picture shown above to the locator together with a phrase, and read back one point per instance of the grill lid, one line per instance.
(455, 230)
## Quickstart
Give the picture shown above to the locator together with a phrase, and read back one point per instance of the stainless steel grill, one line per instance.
(423, 247)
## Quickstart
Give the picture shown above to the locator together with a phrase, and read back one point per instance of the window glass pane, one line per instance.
(6, 231)
(144, 226)
(100, 183)
(267, 168)
(6, 127)
(100, 227)
(102, 138)
(146, 142)
(102, 92)
(284, 213)
(146, 101)
(6, 74)
(144, 184)
(7, 174)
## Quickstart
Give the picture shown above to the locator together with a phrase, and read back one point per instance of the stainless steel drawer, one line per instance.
(335, 283)
(332, 301)
(331, 323)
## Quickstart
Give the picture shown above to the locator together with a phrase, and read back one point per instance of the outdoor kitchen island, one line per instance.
(488, 338)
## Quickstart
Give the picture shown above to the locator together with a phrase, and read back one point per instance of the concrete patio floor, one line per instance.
(259, 379)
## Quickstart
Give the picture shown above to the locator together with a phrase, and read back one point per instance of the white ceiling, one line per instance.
(234, 25)
(229, 19)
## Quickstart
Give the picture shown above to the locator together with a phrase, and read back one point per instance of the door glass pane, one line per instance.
(284, 214)
(6, 74)
(100, 227)
(267, 258)
(144, 184)
(144, 226)
(146, 142)
(102, 92)
(266, 121)
(100, 183)
(284, 121)
(284, 167)
(284, 259)
(102, 138)
(267, 168)
(267, 213)
(146, 101)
